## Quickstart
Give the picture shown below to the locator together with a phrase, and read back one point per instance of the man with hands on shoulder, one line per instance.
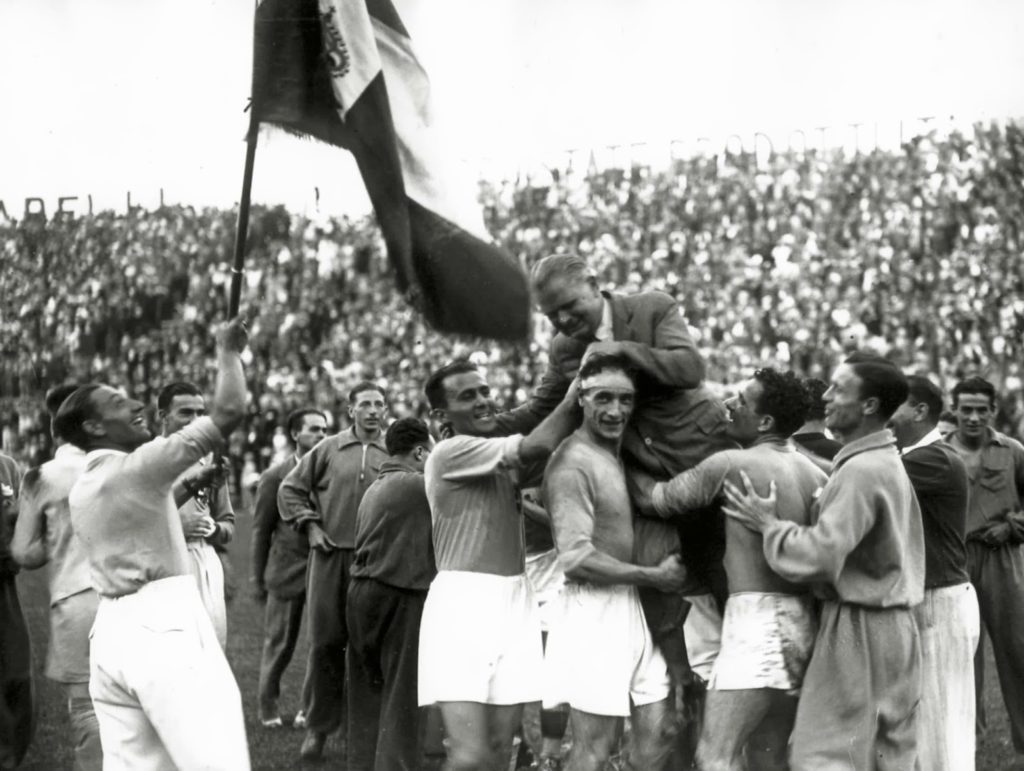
(480, 655)
(769, 623)
(676, 423)
(863, 554)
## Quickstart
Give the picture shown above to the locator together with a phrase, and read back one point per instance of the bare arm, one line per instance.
(543, 440)
(604, 570)
(228, 408)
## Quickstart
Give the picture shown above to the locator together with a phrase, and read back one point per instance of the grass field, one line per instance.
(279, 749)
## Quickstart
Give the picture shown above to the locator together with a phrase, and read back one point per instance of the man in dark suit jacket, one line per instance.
(279, 556)
(677, 422)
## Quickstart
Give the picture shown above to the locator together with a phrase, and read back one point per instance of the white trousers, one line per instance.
(209, 574)
(164, 694)
(949, 623)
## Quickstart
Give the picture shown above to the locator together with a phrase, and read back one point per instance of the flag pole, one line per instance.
(242, 225)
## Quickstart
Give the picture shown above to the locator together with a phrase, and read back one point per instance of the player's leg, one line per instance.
(466, 724)
(768, 745)
(730, 717)
(502, 722)
(654, 733)
(593, 737)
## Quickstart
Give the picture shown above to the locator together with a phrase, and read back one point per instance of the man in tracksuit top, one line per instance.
(864, 555)
(321, 496)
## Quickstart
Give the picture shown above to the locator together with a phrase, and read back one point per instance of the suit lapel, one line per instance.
(621, 316)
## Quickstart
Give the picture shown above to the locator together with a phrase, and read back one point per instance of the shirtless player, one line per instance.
(769, 625)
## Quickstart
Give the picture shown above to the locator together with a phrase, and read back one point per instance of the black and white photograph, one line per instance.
(380, 380)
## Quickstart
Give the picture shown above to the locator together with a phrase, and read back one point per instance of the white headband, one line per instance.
(611, 378)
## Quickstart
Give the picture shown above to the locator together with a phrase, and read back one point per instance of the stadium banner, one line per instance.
(344, 72)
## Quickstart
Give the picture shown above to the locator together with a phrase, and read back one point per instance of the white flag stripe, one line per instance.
(353, 60)
(432, 173)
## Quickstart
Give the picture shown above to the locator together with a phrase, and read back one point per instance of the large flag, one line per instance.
(344, 72)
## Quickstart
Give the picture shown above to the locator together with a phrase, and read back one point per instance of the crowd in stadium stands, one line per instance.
(786, 262)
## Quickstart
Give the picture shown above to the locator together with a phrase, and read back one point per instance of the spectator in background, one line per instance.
(995, 539)
(947, 423)
(43, 536)
(811, 439)
(279, 557)
(17, 711)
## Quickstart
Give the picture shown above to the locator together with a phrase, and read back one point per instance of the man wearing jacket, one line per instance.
(676, 424)
(279, 557)
(995, 538)
(321, 497)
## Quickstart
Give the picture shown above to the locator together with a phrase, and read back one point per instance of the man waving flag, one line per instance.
(344, 72)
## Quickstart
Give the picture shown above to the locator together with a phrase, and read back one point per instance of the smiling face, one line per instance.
(573, 306)
(119, 422)
(367, 412)
(844, 411)
(468, 408)
(607, 399)
(744, 419)
(974, 412)
(183, 409)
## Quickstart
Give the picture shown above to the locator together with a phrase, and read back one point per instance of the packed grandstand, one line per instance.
(785, 261)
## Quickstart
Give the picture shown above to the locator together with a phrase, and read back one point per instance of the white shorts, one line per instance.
(546, 580)
(703, 632)
(600, 655)
(480, 640)
(767, 640)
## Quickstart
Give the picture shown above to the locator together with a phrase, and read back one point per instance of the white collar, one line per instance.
(931, 437)
(605, 332)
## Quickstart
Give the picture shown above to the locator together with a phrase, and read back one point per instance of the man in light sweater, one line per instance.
(164, 694)
(864, 555)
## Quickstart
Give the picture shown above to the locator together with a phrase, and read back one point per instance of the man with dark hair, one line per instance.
(948, 617)
(480, 641)
(600, 657)
(863, 552)
(163, 691)
(279, 557)
(320, 497)
(204, 503)
(677, 423)
(995, 539)
(17, 711)
(947, 423)
(391, 573)
(43, 536)
(769, 622)
(810, 438)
